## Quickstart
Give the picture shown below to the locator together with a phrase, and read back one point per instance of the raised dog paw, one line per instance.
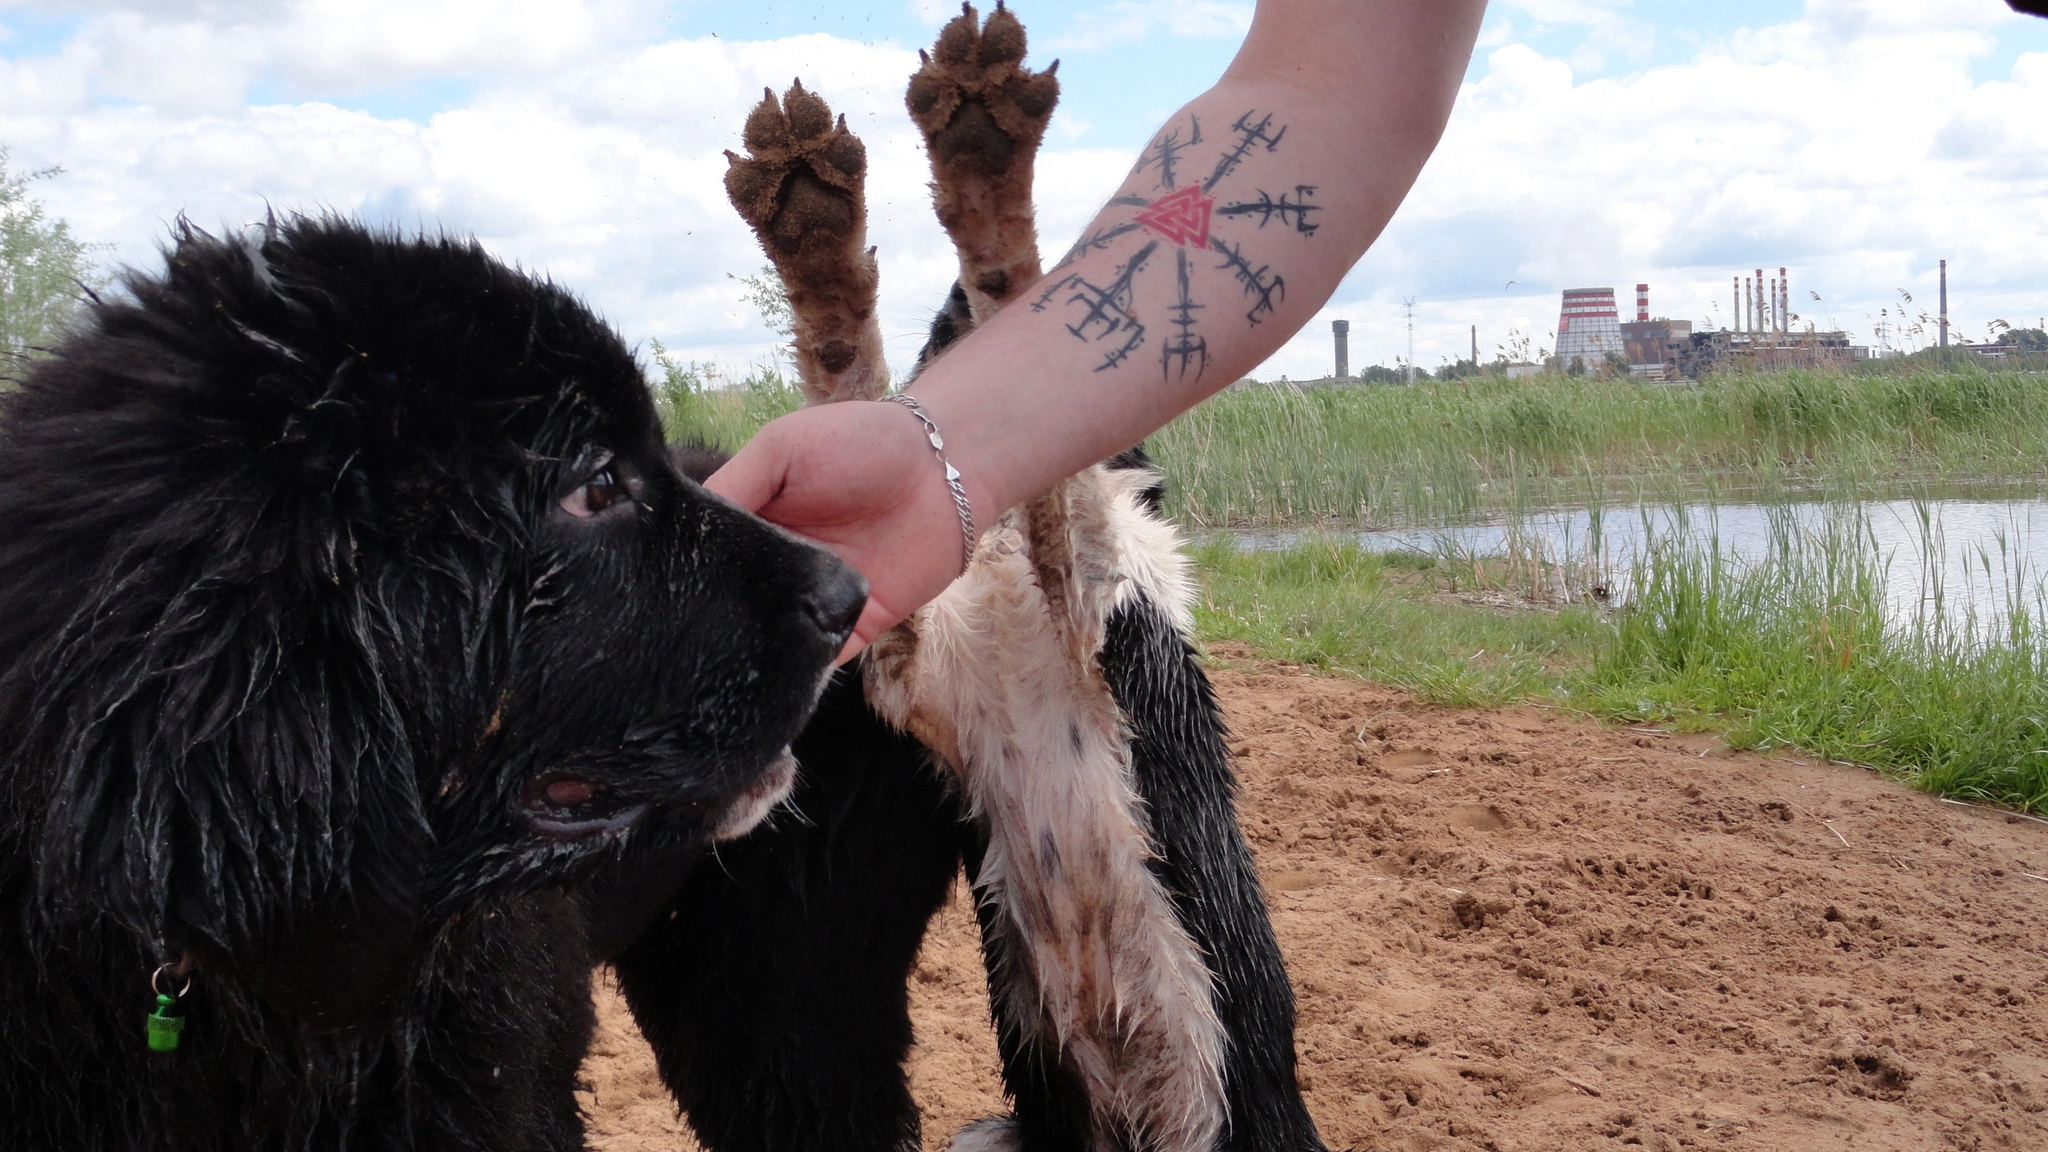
(983, 114)
(975, 103)
(801, 187)
(802, 190)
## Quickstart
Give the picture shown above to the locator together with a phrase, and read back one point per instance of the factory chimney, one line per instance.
(1784, 301)
(1475, 347)
(1763, 310)
(1735, 317)
(1944, 303)
(1341, 329)
(1642, 303)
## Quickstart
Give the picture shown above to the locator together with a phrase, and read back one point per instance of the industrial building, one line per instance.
(1588, 331)
(1761, 338)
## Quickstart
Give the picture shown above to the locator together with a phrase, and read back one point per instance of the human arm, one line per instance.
(1240, 219)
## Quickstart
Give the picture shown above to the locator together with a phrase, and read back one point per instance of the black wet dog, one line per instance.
(350, 609)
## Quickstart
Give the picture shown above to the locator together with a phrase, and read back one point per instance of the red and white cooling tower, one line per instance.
(1588, 328)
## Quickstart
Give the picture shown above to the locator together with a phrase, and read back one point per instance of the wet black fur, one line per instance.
(293, 635)
(772, 987)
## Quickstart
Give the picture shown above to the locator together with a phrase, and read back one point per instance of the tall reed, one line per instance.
(1442, 451)
(1809, 644)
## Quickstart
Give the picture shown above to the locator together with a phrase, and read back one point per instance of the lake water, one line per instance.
(1967, 555)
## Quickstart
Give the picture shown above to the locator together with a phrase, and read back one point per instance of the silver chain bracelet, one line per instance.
(938, 443)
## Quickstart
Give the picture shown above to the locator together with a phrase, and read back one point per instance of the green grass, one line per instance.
(699, 404)
(1791, 651)
(1449, 450)
(1797, 651)
(1391, 617)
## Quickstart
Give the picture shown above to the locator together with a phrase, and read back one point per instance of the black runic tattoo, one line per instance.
(1106, 316)
(1108, 307)
(1293, 211)
(1185, 346)
(1248, 135)
(1262, 283)
(1098, 239)
(1165, 151)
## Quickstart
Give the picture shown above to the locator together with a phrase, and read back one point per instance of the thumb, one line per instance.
(754, 474)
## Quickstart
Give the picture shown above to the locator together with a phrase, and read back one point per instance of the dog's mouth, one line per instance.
(565, 807)
(572, 807)
(752, 806)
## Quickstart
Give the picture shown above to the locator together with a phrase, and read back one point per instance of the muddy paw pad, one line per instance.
(976, 106)
(802, 181)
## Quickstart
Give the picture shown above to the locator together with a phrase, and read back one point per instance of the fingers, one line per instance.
(875, 619)
(754, 474)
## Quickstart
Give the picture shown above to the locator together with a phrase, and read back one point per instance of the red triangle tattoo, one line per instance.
(1182, 217)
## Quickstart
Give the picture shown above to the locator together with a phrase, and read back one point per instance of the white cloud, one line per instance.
(1850, 144)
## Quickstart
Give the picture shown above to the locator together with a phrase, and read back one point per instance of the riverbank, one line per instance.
(1796, 648)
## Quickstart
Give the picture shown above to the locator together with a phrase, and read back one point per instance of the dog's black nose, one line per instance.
(834, 602)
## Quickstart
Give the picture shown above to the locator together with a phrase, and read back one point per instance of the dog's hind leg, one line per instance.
(802, 190)
(1139, 994)
(774, 991)
(1103, 1003)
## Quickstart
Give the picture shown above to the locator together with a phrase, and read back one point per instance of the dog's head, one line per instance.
(346, 584)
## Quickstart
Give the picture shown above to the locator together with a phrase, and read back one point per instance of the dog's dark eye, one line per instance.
(601, 491)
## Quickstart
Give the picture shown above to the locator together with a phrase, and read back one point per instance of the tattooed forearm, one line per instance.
(1289, 211)
(1106, 310)
(1164, 151)
(1110, 315)
(1248, 136)
(1262, 284)
(1099, 238)
(1185, 350)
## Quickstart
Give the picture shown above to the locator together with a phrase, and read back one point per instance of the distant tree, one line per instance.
(2026, 339)
(44, 270)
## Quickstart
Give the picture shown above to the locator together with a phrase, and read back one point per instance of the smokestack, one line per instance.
(1735, 316)
(1944, 303)
(1784, 302)
(1642, 302)
(1762, 309)
(1475, 347)
(1341, 329)
(1748, 304)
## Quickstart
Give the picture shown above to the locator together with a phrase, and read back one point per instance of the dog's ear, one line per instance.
(193, 673)
(229, 777)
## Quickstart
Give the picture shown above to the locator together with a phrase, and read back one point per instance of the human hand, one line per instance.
(861, 479)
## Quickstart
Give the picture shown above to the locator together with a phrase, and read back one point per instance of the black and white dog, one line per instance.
(1045, 721)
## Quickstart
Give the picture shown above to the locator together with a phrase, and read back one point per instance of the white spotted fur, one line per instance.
(1001, 677)
(997, 1134)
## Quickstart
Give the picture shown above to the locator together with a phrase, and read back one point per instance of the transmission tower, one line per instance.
(1409, 374)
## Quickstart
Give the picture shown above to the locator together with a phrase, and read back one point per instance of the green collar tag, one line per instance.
(166, 1023)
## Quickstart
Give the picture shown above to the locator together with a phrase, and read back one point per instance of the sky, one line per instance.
(1594, 143)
